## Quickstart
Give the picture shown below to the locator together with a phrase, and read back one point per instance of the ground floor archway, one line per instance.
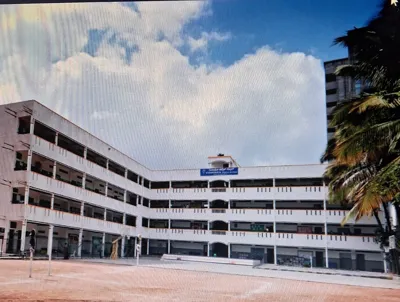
(219, 250)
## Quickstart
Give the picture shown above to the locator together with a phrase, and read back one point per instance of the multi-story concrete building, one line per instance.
(72, 187)
(339, 89)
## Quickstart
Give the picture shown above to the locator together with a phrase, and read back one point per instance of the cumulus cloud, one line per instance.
(267, 107)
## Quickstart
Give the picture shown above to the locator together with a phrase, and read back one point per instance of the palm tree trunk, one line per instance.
(387, 216)
(378, 220)
(397, 209)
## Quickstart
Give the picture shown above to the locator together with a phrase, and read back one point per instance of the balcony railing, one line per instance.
(268, 238)
(288, 189)
(219, 211)
(218, 232)
(218, 190)
(40, 214)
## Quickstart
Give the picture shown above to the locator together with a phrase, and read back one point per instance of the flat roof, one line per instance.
(336, 60)
(155, 170)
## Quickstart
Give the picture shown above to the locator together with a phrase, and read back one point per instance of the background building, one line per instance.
(339, 89)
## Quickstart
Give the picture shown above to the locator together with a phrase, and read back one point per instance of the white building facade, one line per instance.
(73, 188)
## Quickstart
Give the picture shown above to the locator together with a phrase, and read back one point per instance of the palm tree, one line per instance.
(365, 148)
(374, 49)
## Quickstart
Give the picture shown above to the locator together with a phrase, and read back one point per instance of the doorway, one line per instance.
(319, 259)
(219, 250)
(360, 262)
(345, 261)
(270, 256)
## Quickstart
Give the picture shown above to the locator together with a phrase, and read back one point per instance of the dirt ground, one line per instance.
(73, 281)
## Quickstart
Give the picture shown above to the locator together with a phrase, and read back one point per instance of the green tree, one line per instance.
(364, 152)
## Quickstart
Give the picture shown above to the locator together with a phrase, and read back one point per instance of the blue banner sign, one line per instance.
(219, 171)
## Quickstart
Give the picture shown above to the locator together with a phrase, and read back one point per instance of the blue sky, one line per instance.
(308, 26)
(294, 25)
(172, 83)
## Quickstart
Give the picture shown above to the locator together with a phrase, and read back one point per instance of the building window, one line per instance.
(331, 104)
(24, 125)
(330, 77)
(331, 91)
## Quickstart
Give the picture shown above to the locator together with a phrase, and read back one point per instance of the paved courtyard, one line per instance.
(156, 280)
(249, 271)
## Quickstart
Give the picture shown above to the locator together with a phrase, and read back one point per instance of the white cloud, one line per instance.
(166, 113)
(201, 43)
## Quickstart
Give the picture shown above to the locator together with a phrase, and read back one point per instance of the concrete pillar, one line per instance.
(52, 202)
(106, 189)
(105, 214)
(148, 246)
(169, 247)
(26, 196)
(385, 268)
(326, 230)
(107, 162)
(54, 170)
(274, 226)
(3, 247)
(126, 173)
(80, 239)
(125, 196)
(169, 223)
(229, 250)
(169, 203)
(85, 152)
(229, 204)
(208, 249)
(103, 245)
(84, 181)
(50, 241)
(56, 139)
(208, 225)
(229, 226)
(134, 250)
(123, 247)
(23, 235)
(31, 128)
(82, 208)
(149, 203)
(353, 260)
(124, 219)
(29, 161)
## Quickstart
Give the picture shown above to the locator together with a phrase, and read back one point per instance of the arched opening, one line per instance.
(218, 204)
(219, 184)
(219, 225)
(219, 250)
